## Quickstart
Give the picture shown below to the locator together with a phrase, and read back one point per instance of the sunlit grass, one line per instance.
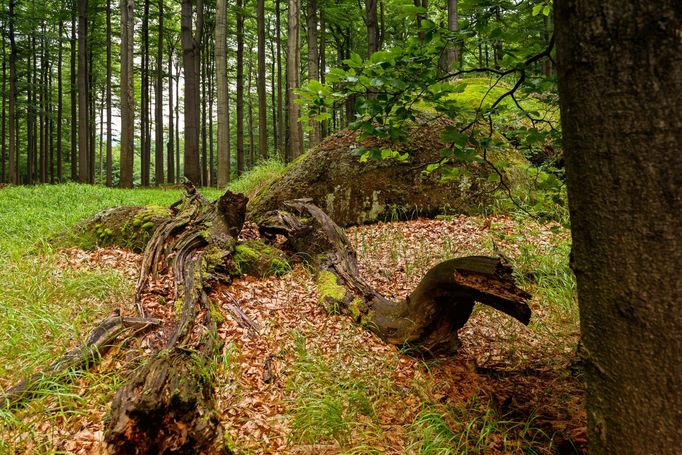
(257, 178)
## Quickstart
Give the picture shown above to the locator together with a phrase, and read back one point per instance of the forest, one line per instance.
(334, 226)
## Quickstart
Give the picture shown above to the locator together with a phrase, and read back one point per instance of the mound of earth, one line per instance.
(353, 192)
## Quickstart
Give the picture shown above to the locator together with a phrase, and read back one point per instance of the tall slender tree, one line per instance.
(127, 94)
(262, 95)
(158, 121)
(171, 124)
(73, 94)
(109, 160)
(223, 176)
(294, 80)
(313, 64)
(14, 125)
(240, 86)
(83, 94)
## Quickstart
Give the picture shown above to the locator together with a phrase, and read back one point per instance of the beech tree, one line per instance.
(620, 85)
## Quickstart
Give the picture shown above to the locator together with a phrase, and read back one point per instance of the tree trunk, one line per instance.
(621, 120)
(14, 125)
(74, 101)
(294, 81)
(448, 60)
(171, 123)
(221, 86)
(158, 122)
(313, 65)
(127, 100)
(190, 58)
(280, 112)
(250, 107)
(3, 124)
(204, 98)
(324, 125)
(145, 152)
(262, 100)
(109, 160)
(240, 87)
(83, 94)
(60, 104)
(372, 30)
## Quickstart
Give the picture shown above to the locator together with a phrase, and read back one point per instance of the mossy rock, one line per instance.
(124, 227)
(256, 258)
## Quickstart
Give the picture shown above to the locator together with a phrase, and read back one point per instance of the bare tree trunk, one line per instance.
(280, 112)
(252, 157)
(191, 54)
(203, 116)
(294, 80)
(449, 59)
(240, 87)
(3, 125)
(74, 101)
(621, 119)
(83, 94)
(262, 100)
(313, 64)
(221, 74)
(13, 161)
(127, 94)
(372, 30)
(145, 152)
(158, 122)
(109, 160)
(171, 124)
(324, 125)
(273, 92)
(177, 122)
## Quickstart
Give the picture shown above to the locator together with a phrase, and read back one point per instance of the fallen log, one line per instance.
(168, 404)
(428, 319)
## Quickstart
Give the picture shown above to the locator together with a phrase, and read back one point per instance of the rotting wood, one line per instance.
(428, 319)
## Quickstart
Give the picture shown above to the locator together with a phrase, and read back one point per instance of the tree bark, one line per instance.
(127, 94)
(313, 65)
(372, 30)
(294, 81)
(620, 86)
(190, 57)
(262, 100)
(171, 124)
(83, 95)
(109, 160)
(240, 87)
(14, 128)
(280, 112)
(144, 97)
(158, 121)
(73, 95)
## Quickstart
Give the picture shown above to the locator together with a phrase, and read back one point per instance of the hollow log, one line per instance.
(427, 320)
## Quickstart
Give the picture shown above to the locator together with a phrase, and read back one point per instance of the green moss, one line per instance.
(177, 306)
(330, 291)
(256, 258)
(354, 309)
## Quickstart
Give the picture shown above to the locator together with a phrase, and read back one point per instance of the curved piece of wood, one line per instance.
(428, 319)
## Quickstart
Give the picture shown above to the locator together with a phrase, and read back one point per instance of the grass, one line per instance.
(334, 402)
(45, 310)
(257, 178)
(474, 428)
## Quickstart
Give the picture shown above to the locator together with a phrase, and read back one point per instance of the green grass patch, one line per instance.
(257, 178)
(475, 428)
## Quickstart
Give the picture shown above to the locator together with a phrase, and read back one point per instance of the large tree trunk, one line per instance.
(620, 84)
(372, 30)
(13, 135)
(190, 58)
(127, 100)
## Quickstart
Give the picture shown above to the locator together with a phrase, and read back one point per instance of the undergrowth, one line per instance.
(45, 309)
(255, 179)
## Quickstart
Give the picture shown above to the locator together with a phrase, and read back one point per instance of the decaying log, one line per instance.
(426, 320)
(168, 405)
(100, 340)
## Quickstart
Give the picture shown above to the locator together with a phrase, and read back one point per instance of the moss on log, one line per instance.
(426, 320)
(352, 192)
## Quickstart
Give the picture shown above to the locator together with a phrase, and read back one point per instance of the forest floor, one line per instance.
(307, 382)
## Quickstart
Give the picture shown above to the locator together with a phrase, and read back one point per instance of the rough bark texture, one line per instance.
(221, 86)
(352, 192)
(428, 319)
(168, 405)
(127, 94)
(620, 82)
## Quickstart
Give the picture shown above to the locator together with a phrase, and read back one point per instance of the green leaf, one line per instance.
(538, 8)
